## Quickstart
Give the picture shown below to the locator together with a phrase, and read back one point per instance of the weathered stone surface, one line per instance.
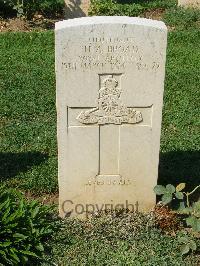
(110, 81)
(189, 3)
(76, 8)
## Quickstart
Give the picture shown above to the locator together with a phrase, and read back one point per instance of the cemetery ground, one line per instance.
(28, 156)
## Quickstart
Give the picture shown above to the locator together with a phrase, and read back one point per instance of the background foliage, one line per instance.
(127, 8)
(28, 8)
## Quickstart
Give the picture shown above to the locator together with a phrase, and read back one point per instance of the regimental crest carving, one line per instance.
(110, 109)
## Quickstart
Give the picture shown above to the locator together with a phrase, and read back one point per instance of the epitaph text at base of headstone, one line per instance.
(110, 82)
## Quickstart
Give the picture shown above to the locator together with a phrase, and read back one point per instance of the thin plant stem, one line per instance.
(190, 193)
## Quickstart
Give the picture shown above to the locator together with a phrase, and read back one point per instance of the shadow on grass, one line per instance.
(180, 167)
(13, 163)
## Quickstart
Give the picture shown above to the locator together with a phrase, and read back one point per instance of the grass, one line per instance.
(180, 141)
(28, 155)
(28, 115)
(130, 239)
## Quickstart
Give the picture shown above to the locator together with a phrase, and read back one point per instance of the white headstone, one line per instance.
(189, 3)
(110, 82)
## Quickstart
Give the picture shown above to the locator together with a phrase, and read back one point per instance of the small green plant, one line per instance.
(23, 228)
(169, 192)
(192, 211)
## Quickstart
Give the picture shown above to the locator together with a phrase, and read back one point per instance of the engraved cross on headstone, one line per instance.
(108, 113)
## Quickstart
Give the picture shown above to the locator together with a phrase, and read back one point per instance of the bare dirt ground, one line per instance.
(156, 14)
(44, 199)
(38, 23)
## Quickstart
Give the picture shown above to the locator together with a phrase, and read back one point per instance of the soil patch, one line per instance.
(38, 23)
(156, 14)
(44, 198)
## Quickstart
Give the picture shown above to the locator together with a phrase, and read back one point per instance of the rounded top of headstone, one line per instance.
(110, 20)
